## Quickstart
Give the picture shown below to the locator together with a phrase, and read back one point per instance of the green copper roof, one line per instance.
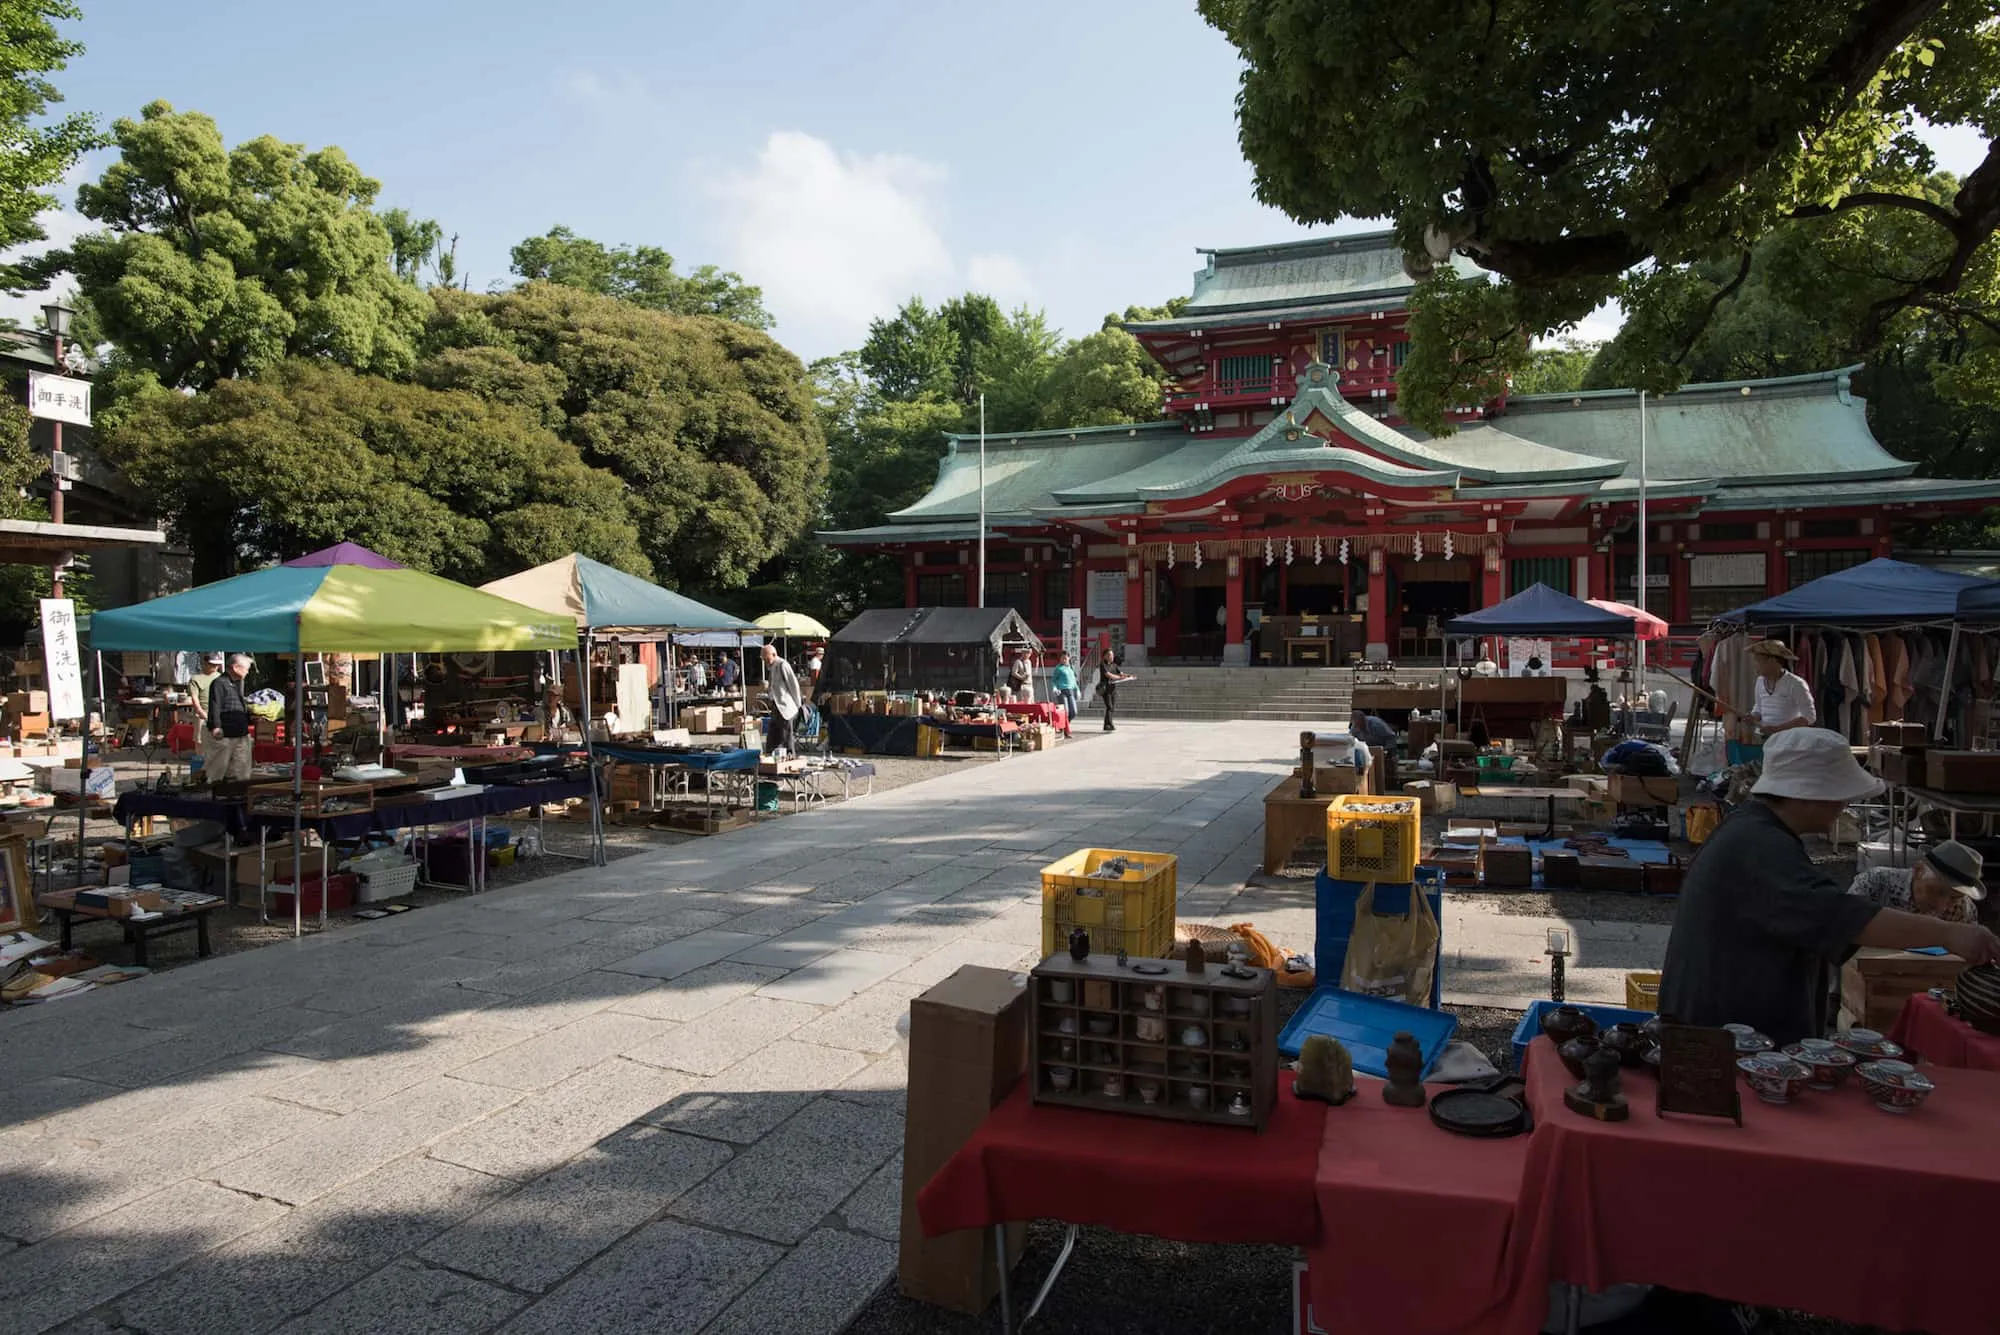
(1314, 271)
(1024, 470)
(1739, 432)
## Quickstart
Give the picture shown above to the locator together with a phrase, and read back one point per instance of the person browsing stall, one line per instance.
(1759, 927)
(229, 748)
(1945, 884)
(1377, 733)
(1062, 682)
(1021, 677)
(1782, 699)
(782, 685)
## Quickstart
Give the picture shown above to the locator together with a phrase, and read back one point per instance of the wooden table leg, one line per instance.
(65, 919)
(136, 936)
(201, 935)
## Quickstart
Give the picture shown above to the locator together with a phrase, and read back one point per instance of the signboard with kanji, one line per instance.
(65, 662)
(59, 398)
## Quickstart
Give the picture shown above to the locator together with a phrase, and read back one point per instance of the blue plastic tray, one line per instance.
(1365, 1025)
(1530, 1027)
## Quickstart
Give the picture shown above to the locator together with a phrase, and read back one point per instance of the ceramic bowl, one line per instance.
(1627, 1040)
(1562, 1023)
(1100, 1024)
(1194, 1036)
(1867, 1044)
(1114, 1086)
(1197, 1096)
(1061, 1077)
(1895, 1086)
(1748, 1040)
(1977, 995)
(1575, 1050)
(1062, 990)
(1828, 1061)
(1773, 1076)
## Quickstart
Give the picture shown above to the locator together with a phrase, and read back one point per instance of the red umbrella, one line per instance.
(1648, 626)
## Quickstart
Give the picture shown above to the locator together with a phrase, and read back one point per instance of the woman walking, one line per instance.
(1108, 677)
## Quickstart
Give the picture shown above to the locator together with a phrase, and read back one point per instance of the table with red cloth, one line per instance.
(1926, 1029)
(1037, 711)
(1826, 1204)
(1185, 1181)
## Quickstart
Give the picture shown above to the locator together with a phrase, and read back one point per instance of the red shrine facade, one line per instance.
(1280, 511)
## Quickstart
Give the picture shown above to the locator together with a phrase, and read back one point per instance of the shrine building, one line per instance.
(1282, 511)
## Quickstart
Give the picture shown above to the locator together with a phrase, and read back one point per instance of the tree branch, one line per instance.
(1931, 209)
(1722, 294)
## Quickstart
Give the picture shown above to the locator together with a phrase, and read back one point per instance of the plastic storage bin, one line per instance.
(1530, 1027)
(1371, 838)
(1365, 1025)
(1333, 911)
(1133, 912)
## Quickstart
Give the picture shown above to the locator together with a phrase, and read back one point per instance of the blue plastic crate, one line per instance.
(1365, 1025)
(1530, 1027)
(1334, 903)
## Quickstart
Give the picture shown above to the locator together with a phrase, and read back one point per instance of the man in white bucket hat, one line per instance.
(1759, 927)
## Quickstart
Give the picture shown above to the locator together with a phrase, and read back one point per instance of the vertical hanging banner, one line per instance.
(1072, 636)
(65, 663)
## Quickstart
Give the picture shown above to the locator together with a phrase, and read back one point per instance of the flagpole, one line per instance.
(1639, 645)
(982, 500)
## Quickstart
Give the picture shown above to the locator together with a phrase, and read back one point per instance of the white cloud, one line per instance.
(615, 92)
(63, 225)
(836, 239)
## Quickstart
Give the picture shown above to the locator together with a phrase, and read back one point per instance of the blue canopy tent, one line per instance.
(1876, 593)
(1541, 610)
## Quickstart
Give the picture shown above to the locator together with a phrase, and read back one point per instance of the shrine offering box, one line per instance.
(1153, 1039)
(1876, 982)
(968, 1042)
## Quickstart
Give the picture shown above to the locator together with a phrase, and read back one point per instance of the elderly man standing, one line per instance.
(229, 724)
(782, 685)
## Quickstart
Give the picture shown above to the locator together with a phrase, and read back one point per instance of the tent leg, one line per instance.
(299, 799)
(590, 754)
(1944, 692)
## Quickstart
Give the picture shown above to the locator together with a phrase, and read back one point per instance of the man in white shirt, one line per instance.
(1783, 700)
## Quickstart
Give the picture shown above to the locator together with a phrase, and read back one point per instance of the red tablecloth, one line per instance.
(1179, 1180)
(1414, 1222)
(1926, 1029)
(1827, 1204)
(1040, 712)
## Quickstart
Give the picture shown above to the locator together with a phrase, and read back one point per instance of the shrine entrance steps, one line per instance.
(1318, 696)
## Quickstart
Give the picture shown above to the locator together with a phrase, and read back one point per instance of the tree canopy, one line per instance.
(219, 263)
(1579, 153)
(642, 275)
(33, 154)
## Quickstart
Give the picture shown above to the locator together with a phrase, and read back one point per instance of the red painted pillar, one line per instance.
(910, 580)
(1378, 605)
(1135, 610)
(1234, 652)
(1493, 588)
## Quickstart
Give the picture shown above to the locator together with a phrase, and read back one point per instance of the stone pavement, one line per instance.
(663, 1096)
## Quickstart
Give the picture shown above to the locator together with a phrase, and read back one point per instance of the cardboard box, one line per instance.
(703, 718)
(98, 781)
(968, 1047)
(121, 902)
(1637, 790)
(28, 702)
(1434, 797)
(1588, 783)
(1875, 982)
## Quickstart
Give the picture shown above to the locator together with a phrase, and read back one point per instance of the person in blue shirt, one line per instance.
(1380, 735)
(1062, 681)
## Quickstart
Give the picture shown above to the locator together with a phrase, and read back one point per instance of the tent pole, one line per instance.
(1944, 692)
(1639, 645)
(298, 797)
(670, 681)
(590, 752)
(83, 772)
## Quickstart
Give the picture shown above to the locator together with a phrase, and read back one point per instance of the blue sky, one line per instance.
(1066, 155)
(1069, 156)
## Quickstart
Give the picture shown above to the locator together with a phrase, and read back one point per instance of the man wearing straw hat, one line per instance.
(1760, 927)
(1782, 698)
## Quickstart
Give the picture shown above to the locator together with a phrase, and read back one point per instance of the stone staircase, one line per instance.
(1319, 696)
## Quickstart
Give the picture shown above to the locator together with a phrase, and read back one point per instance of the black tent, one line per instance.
(925, 649)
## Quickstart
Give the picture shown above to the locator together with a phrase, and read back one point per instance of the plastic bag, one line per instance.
(1390, 956)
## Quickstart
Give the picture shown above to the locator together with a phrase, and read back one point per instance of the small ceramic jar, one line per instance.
(1061, 1078)
(1150, 1029)
(1239, 1106)
(1197, 1096)
(1237, 1007)
(1062, 990)
(1194, 1036)
(1114, 1086)
(1066, 1025)
(1154, 998)
(1149, 1091)
(1197, 1003)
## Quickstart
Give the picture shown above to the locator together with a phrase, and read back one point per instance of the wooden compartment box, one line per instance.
(1144, 1045)
(1510, 866)
(1561, 870)
(316, 799)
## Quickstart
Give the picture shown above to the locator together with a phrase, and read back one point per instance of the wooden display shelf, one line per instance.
(1238, 1051)
(316, 799)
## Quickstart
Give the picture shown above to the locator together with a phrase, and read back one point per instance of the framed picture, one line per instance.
(315, 672)
(17, 887)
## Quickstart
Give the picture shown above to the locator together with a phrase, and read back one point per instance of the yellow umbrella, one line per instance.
(793, 625)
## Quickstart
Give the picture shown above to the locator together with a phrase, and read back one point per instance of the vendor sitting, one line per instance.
(1783, 700)
(1759, 926)
(1944, 884)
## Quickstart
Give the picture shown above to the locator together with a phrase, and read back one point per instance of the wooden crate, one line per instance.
(1290, 820)
(1876, 982)
(315, 799)
(1510, 866)
(1227, 1010)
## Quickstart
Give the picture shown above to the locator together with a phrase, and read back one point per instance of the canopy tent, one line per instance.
(793, 625)
(329, 608)
(604, 598)
(927, 648)
(1540, 610)
(1876, 593)
(716, 639)
(345, 554)
(1644, 623)
(1979, 602)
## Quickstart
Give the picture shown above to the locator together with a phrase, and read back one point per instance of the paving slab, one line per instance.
(535, 1237)
(745, 1102)
(834, 978)
(877, 1208)
(693, 995)
(725, 1035)
(781, 1187)
(544, 1129)
(686, 954)
(666, 1279)
(554, 1056)
(814, 1290)
(410, 1296)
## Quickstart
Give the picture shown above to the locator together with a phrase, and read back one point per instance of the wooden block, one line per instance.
(1608, 873)
(1509, 866)
(1560, 870)
(1661, 878)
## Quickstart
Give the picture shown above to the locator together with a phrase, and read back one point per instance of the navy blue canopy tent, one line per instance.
(1881, 592)
(1539, 610)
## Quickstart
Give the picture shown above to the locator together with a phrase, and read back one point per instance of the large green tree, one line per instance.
(309, 453)
(709, 423)
(217, 263)
(1579, 152)
(34, 153)
(642, 275)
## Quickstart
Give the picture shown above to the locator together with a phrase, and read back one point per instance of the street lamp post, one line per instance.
(58, 318)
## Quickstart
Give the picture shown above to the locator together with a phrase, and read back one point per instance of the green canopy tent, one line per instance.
(338, 607)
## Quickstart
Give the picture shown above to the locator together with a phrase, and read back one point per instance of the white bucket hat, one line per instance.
(1814, 765)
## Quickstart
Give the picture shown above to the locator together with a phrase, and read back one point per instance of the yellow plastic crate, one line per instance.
(1372, 838)
(1134, 912)
(1642, 990)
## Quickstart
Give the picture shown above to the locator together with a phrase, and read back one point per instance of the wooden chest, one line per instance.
(1661, 878)
(1560, 870)
(1907, 736)
(1962, 771)
(1598, 873)
(1875, 983)
(1898, 766)
(1510, 866)
(1107, 1037)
